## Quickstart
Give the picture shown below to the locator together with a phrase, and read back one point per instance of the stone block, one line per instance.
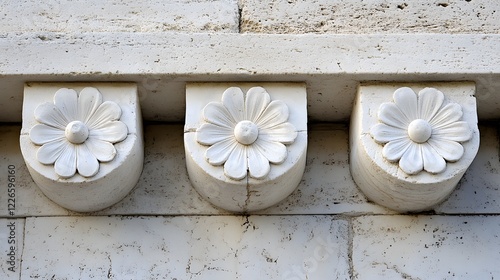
(361, 17)
(119, 16)
(426, 247)
(196, 247)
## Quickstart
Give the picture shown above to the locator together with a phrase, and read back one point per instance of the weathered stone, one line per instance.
(120, 16)
(426, 247)
(198, 247)
(361, 17)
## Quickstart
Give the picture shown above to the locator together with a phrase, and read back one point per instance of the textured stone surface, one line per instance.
(120, 16)
(224, 247)
(358, 17)
(326, 187)
(426, 247)
(332, 66)
(477, 191)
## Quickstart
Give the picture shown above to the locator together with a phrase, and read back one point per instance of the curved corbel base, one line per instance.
(384, 182)
(114, 179)
(247, 193)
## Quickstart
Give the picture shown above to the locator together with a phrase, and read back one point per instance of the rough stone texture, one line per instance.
(481, 180)
(223, 247)
(119, 16)
(332, 66)
(359, 17)
(426, 247)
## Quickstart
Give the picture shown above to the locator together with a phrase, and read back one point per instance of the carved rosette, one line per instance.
(420, 131)
(82, 143)
(246, 134)
(76, 132)
(409, 150)
(245, 146)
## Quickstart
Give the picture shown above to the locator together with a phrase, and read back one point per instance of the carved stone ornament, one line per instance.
(82, 144)
(245, 146)
(410, 144)
(77, 131)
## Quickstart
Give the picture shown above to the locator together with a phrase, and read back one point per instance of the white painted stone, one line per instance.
(120, 16)
(294, 247)
(326, 187)
(114, 173)
(358, 17)
(198, 247)
(331, 65)
(477, 191)
(411, 186)
(11, 247)
(426, 247)
(258, 170)
(164, 187)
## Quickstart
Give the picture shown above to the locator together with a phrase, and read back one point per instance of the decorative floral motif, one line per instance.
(246, 133)
(421, 132)
(77, 131)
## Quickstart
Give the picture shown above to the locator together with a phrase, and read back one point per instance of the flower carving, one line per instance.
(420, 131)
(76, 132)
(246, 133)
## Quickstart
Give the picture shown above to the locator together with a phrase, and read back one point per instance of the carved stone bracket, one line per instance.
(82, 143)
(412, 143)
(245, 143)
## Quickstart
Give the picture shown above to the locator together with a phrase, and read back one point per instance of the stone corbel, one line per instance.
(82, 143)
(245, 143)
(410, 144)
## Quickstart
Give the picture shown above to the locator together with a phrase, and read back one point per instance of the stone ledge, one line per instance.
(331, 65)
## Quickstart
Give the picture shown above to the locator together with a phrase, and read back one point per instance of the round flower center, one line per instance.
(76, 132)
(419, 131)
(246, 132)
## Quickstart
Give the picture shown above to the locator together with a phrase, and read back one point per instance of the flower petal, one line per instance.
(275, 152)
(412, 162)
(449, 150)
(88, 102)
(258, 165)
(41, 134)
(66, 100)
(395, 149)
(429, 102)
(390, 114)
(276, 113)
(433, 162)
(65, 165)
(457, 131)
(284, 133)
(102, 150)
(47, 113)
(86, 163)
(406, 100)
(216, 113)
(236, 165)
(209, 134)
(113, 132)
(218, 153)
(450, 113)
(50, 152)
(232, 99)
(256, 101)
(383, 133)
(108, 111)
